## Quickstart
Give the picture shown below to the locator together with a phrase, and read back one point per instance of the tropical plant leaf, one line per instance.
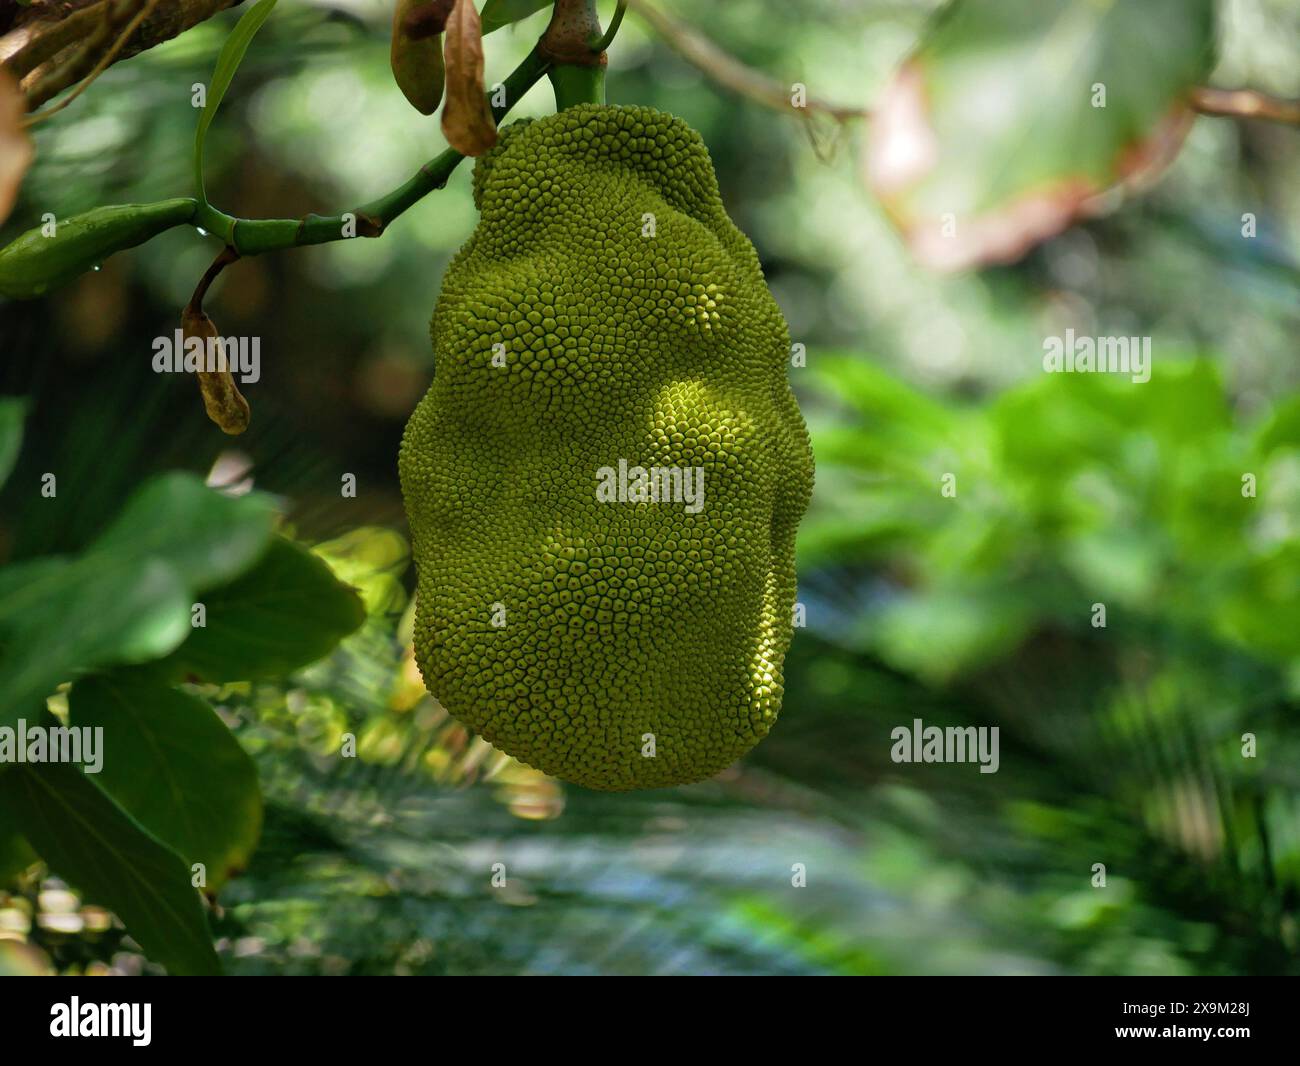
(127, 599)
(228, 60)
(88, 840)
(208, 536)
(169, 761)
(286, 612)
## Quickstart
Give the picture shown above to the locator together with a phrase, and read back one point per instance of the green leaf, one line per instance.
(89, 841)
(206, 535)
(127, 599)
(990, 139)
(13, 409)
(498, 13)
(228, 60)
(286, 612)
(170, 761)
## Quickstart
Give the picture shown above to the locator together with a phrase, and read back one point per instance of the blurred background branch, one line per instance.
(50, 46)
(729, 72)
(104, 61)
(723, 68)
(1245, 103)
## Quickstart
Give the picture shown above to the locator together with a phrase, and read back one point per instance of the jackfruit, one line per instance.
(603, 339)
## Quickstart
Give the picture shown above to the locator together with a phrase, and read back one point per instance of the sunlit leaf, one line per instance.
(127, 599)
(284, 613)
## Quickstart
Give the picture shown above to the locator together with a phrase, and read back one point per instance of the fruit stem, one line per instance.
(577, 72)
(577, 85)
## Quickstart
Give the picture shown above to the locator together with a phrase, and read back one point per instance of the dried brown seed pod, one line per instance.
(222, 400)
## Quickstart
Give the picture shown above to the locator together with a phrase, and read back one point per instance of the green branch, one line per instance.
(576, 85)
(249, 236)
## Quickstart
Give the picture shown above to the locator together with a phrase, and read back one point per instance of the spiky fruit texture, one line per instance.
(606, 309)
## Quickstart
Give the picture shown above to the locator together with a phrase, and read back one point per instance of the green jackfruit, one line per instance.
(606, 315)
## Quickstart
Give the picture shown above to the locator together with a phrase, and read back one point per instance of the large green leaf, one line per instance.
(990, 138)
(207, 536)
(127, 598)
(228, 60)
(170, 761)
(498, 13)
(287, 611)
(88, 840)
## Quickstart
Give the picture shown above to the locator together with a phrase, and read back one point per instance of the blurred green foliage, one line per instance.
(1121, 745)
(1070, 491)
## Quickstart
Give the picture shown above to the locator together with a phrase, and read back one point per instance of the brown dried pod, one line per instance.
(467, 120)
(222, 400)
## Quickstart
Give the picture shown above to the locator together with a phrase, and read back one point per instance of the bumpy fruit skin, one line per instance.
(620, 619)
